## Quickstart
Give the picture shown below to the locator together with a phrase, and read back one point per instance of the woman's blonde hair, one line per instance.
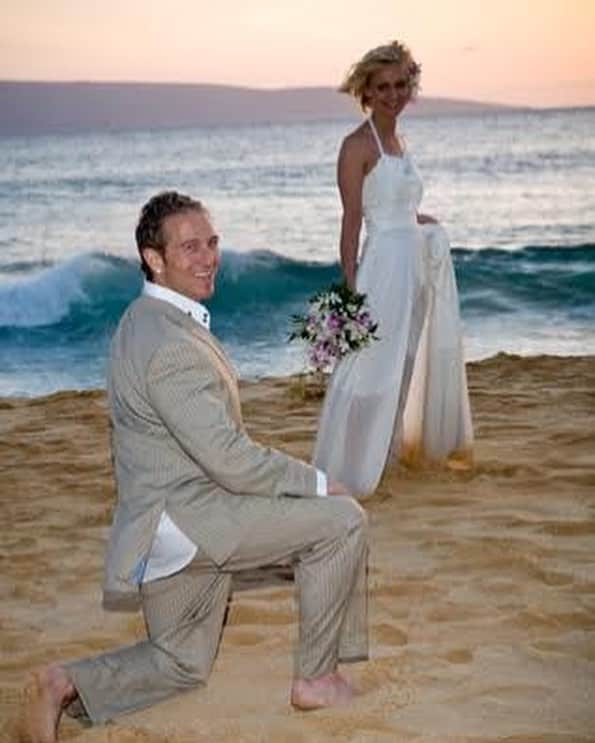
(358, 77)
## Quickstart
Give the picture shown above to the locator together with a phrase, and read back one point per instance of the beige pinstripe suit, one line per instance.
(179, 445)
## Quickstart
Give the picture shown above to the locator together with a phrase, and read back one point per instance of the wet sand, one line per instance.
(482, 581)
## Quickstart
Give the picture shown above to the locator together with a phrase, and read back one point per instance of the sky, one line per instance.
(528, 52)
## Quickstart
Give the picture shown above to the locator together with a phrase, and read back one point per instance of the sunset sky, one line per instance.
(536, 52)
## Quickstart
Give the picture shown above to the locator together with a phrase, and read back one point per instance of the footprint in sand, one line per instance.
(569, 528)
(387, 634)
(252, 614)
(460, 655)
(245, 638)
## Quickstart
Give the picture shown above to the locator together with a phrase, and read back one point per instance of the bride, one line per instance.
(406, 394)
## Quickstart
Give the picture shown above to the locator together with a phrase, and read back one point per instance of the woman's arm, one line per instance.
(350, 178)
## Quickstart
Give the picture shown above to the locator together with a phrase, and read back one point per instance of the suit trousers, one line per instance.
(325, 539)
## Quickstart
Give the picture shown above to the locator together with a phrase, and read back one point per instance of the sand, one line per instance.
(482, 581)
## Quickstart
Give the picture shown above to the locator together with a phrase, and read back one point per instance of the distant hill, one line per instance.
(45, 107)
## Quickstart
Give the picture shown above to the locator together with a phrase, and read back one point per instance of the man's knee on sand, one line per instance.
(186, 670)
(186, 664)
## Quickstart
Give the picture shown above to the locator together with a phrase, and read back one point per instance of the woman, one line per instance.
(406, 393)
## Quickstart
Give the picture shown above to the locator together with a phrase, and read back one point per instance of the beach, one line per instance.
(482, 579)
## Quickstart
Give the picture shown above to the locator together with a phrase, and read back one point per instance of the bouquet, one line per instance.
(337, 323)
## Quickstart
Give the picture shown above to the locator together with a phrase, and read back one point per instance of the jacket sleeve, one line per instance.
(188, 395)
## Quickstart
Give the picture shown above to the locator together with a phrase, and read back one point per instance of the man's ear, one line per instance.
(154, 259)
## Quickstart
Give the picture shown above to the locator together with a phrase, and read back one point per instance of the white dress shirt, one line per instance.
(171, 549)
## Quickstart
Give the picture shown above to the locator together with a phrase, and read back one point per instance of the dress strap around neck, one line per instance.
(376, 137)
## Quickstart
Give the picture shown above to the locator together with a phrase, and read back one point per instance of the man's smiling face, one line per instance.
(190, 259)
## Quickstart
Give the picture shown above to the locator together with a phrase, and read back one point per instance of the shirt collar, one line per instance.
(191, 307)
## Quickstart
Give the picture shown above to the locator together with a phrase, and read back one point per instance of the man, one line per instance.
(199, 500)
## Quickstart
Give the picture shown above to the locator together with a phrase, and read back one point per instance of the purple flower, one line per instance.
(338, 322)
(334, 321)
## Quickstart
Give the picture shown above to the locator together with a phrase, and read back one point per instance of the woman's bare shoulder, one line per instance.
(358, 143)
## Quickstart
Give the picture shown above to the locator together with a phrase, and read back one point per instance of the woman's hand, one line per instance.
(426, 219)
(349, 279)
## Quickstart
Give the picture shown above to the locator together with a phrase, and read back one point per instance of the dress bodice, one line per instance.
(392, 190)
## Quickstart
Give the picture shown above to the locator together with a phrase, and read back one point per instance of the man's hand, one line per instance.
(334, 487)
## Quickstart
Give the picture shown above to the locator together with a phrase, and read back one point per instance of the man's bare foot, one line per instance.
(47, 693)
(331, 690)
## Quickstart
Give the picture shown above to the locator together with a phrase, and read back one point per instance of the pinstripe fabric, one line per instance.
(183, 615)
(179, 444)
(227, 372)
(324, 538)
(353, 639)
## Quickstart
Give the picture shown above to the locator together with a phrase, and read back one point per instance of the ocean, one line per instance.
(515, 191)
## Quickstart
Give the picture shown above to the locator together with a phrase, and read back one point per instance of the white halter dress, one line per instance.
(406, 394)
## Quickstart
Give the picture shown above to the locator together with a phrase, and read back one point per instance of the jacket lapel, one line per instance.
(220, 361)
(208, 341)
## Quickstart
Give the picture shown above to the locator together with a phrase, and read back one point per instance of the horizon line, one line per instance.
(276, 89)
(289, 88)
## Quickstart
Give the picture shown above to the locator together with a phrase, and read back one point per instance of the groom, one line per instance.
(199, 500)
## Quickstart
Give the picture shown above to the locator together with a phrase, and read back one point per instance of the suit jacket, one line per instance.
(178, 444)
